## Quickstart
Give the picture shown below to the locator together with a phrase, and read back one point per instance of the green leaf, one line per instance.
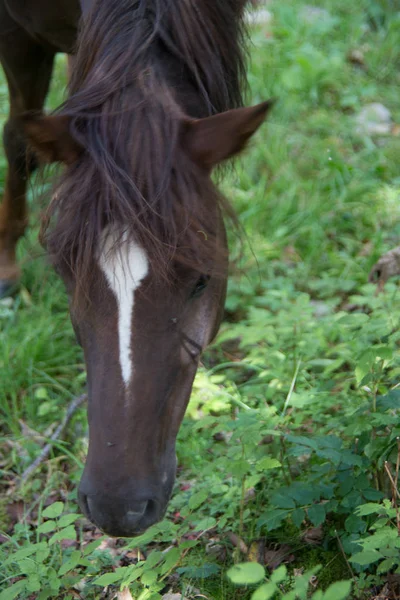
(239, 468)
(354, 524)
(331, 454)
(66, 520)
(369, 509)
(298, 516)
(303, 493)
(282, 500)
(206, 523)
(267, 463)
(272, 519)
(27, 566)
(41, 394)
(92, 546)
(366, 557)
(355, 320)
(149, 577)
(46, 594)
(153, 559)
(42, 554)
(22, 553)
(316, 514)
(302, 441)
(68, 533)
(384, 352)
(265, 592)
(46, 527)
(387, 565)
(53, 511)
(107, 579)
(339, 590)
(71, 563)
(246, 573)
(33, 584)
(13, 591)
(197, 499)
(279, 574)
(202, 572)
(171, 559)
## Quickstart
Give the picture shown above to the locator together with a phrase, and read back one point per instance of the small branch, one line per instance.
(395, 491)
(347, 561)
(291, 390)
(397, 462)
(72, 407)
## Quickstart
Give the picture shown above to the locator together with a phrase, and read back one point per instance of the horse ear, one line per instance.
(217, 138)
(50, 137)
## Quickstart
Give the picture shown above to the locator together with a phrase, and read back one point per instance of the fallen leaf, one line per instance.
(217, 550)
(313, 535)
(273, 557)
(64, 544)
(124, 595)
(249, 495)
(133, 556)
(356, 57)
(373, 119)
(16, 512)
(256, 552)
(237, 542)
(395, 130)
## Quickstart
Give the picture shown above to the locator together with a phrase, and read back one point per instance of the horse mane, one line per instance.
(141, 68)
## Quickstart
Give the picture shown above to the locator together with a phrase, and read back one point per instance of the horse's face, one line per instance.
(142, 337)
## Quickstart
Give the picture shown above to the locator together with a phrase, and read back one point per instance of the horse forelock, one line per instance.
(141, 67)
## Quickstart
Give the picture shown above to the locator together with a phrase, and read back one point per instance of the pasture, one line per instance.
(288, 457)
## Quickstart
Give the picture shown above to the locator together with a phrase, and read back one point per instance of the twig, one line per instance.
(72, 407)
(397, 462)
(347, 561)
(395, 493)
(389, 474)
(291, 390)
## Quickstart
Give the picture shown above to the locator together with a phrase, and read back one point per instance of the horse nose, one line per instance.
(120, 519)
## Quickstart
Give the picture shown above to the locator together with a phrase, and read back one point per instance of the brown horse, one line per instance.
(135, 225)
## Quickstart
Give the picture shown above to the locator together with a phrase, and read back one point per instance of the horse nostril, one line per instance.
(152, 510)
(132, 518)
(112, 519)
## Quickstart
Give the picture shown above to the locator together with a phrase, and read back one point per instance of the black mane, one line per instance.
(143, 67)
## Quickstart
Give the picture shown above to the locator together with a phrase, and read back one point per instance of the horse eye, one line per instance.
(200, 286)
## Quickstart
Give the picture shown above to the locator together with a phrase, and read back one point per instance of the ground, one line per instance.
(288, 455)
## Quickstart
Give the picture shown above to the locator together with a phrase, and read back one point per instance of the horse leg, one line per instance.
(28, 67)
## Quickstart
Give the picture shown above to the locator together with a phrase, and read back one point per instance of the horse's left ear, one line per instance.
(50, 137)
(211, 140)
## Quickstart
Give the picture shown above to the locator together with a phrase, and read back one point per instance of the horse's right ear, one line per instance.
(211, 140)
(50, 137)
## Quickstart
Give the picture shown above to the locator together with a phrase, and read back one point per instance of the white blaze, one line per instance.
(124, 264)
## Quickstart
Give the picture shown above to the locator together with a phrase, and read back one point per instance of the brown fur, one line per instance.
(142, 68)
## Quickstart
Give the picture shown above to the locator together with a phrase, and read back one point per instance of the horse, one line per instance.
(135, 226)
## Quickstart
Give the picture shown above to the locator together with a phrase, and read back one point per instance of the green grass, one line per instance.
(307, 345)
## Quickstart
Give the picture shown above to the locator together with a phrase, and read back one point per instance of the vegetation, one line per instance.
(289, 453)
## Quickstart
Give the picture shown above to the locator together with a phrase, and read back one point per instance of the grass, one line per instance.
(307, 346)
